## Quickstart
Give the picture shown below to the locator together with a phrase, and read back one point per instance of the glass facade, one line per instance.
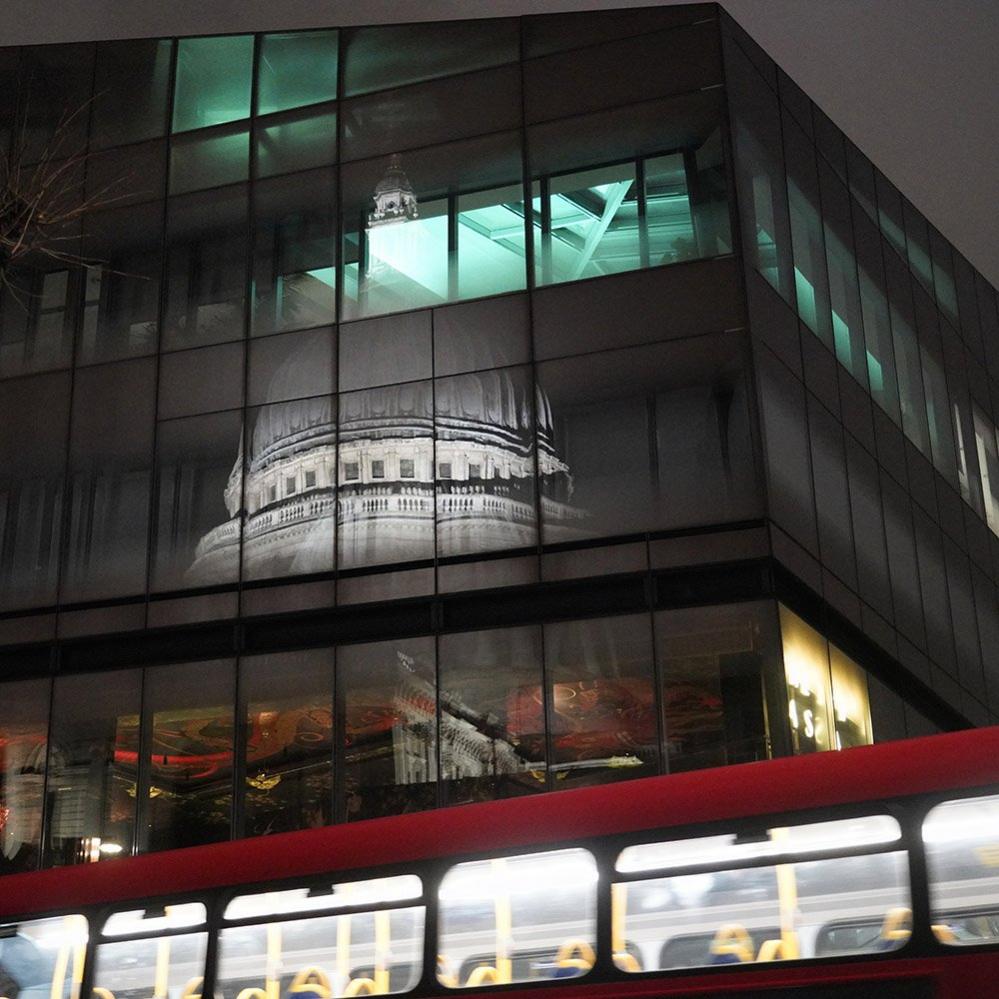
(424, 414)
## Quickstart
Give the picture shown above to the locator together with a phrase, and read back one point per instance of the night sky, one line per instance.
(912, 82)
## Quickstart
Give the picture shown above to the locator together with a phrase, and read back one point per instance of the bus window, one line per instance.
(376, 951)
(153, 952)
(733, 899)
(43, 958)
(962, 856)
(518, 919)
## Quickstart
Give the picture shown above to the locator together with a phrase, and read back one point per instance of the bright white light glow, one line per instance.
(532, 874)
(134, 920)
(376, 891)
(845, 834)
(111, 849)
(967, 820)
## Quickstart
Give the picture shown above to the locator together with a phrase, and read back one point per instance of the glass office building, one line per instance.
(404, 416)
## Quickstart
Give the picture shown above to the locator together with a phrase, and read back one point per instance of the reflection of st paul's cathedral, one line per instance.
(475, 431)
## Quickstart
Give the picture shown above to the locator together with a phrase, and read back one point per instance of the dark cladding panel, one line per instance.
(547, 33)
(638, 308)
(622, 72)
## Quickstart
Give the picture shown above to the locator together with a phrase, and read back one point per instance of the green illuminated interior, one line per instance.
(214, 81)
(296, 68)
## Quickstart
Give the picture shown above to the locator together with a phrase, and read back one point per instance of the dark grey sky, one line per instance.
(915, 83)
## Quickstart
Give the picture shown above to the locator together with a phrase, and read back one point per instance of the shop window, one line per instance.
(287, 700)
(827, 699)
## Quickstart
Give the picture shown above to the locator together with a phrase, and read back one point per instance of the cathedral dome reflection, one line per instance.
(389, 466)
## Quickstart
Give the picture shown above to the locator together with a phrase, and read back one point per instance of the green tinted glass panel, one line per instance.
(214, 77)
(221, 157)
(296, 141)
(296, 68)
(490, 241)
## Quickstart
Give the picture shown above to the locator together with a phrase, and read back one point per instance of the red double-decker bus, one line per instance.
(868, 872)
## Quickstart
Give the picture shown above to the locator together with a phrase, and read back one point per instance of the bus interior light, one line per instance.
(323, 898)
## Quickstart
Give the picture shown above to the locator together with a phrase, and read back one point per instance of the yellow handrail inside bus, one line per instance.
(161, 981)
(311, 979)
(734, 939)
(897, 924)
(624, 960)
(361, 986)
(943, 933)
(777, 950)
(787, 895)
(484, 974)
(192, 984)
(445, 975)
(566, 959)
(101, 993)
(383, 951)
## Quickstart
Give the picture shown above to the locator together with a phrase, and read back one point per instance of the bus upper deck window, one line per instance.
(517, 919)
(760, 896)
(43, 958)
(158, 951)
(962, 856)
(342, 939)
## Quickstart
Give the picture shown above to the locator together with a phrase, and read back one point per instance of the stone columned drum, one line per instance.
(381, 487)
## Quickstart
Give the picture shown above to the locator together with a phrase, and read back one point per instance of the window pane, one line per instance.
(759, 171)
(959, 838)
(294, 253)
(290, 489)
(644, 438)
(32, 472)
(601, 699)
(213, 81)
(432, 226)
(851, 708)
(37, 955)
(393, 55)
(206, 268)
(130, 91)
(639, 196)
(110, 467)
(381, 951)
(485, 435)
(298, 140)
(23, 738)
(209, 159)
(810, 278)
(121, 292)
(92, 779)
(389, 696)
(939, 415)
(190, 709)
(37, 313)
(844, 292)
(296, 68)
(198, 490)
(288, 703)
(492, 725)
(151, 966)
(387, 517)
(535, 917)
(291, 366)
(716, 665)
(765, 913)
(479, 335)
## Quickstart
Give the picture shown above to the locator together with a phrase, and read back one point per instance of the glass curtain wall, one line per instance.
(134, 760)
